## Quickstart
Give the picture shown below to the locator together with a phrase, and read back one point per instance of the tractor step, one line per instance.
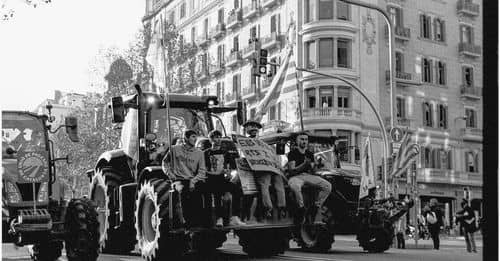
(39, 216)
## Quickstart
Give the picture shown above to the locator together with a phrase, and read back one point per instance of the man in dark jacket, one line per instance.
(468, 222)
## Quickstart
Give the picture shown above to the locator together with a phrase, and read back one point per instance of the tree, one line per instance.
(7, 12)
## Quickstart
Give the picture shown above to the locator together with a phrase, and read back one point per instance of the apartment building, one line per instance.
(438, 64)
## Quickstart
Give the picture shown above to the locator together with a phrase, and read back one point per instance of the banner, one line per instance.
(367, 170)
(33, 166)
(259, 155)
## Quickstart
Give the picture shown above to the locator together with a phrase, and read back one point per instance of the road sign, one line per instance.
(396, 134)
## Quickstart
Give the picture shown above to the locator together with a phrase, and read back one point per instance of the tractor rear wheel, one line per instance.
(112, 240)
(49, 251)
(152, 223)
(317, 238)
(82, 236)
(377, 240)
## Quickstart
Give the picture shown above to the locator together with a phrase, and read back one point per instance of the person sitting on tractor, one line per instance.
(217, 183)
(265, 179)
(301, 173)
(188, 171)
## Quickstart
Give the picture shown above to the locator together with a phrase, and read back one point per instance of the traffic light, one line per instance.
(262, 61)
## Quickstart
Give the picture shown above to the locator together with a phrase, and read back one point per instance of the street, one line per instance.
(345, 248)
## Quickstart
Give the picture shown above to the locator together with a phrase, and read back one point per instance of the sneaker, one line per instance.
(235, 221)
(219, 223)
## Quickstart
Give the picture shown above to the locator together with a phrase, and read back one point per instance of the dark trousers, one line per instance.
(401, 240)
(216, 186)
(434, 231)
(191, 205)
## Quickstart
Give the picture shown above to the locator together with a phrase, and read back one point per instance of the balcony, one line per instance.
(331, 114)
(398, 121)
(218, 31)
(203, 40)
(234, 18)
(401, 77)
(400, 32)
(469, 49)
(466, 7)
(203, 74)
(248, 92)
(251, 10)
(472, 134)
(217, 68)
(271, 41)
(470, 92)
(269, 3)
(231, 98)
(233, 59)
(251, 49)
(449, 177)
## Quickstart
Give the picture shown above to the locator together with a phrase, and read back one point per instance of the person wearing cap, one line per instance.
(188, 170)
(265, 179)
(217, 168)
(468, 222)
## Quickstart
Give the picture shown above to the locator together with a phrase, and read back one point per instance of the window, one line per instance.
(220, 16)
(425, 26)
(279, 105)
(427, 73)
(441, 73)
(439, 30)
(427, 158)
(193, 34)
(443, 116)
(396, 16)
(325, 9)
(471, 162)
(234, 121)
(470, 122)
(311, 98)
(220, 90)
(400, 108)
(183, 10)
(236, 4)
(343, 96)
(399, 62)
(468, 76)
(427, 114)
(205, 28)
(326, 52)
(311, 54)
(236, 84)
(344, 144)
(236, 45)
(272, 68)
(310, 10)
(220, 55)
(171, 17)
(253, 33)
(253, 111)
(343, 11)
(272, 113)
(466, 34)
(344, 53)
(326, 96)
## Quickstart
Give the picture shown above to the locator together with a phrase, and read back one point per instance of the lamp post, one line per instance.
(377, 114)
(391, 52)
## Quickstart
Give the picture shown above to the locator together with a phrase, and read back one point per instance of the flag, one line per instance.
(406, 155)
(154, 56)
(367, 170)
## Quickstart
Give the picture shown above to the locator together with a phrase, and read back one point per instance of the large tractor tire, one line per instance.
(46, 251)
(112, 240)
(82, 230)
(376, 240)
(317, 238)
(152, 223)
(265, 242)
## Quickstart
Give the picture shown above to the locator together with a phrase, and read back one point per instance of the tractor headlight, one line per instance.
(43, 192)
(13, 194)
(234, 173)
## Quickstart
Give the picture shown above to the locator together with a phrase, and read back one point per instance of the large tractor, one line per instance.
(371, 220)
(34, 211)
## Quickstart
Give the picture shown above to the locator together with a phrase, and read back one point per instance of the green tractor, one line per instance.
(33, 210)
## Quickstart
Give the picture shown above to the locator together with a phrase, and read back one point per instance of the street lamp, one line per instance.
(391, 53)
(377, 114)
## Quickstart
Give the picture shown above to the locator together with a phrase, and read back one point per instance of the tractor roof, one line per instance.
(275, 137)
(179, 101)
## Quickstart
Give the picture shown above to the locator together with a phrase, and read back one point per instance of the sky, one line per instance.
(50, 47)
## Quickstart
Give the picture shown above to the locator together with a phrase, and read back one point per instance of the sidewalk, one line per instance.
(444, 242)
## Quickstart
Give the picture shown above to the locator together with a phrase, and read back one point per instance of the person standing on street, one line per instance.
(434, 218)
(468, 222)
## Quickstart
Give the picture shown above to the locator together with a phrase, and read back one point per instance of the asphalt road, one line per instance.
(344, 249)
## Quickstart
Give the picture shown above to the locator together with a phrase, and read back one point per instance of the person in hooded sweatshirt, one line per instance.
(188, 173)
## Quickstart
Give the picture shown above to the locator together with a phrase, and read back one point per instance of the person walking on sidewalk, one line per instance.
(434, 218)
(468, 222)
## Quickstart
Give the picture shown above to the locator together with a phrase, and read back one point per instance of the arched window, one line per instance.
(427, 114)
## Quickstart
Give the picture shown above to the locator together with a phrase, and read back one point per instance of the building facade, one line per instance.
(438, 66)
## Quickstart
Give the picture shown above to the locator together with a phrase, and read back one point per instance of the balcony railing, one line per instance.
(231, 97)
(470, 133)
(331, 113)
(233, 58)
(398, 121)
(217, 68)
(470, 92)
(251, 49)
(467, 7)
(269, 3)
(469, 49)
(203, 74)
(449, 176)
(399, 76)
(203, 40)
(271, 41)
(251, 10)
(400, 32)
(234, 18)
(217, 31)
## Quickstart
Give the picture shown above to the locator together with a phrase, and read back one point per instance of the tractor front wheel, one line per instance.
(82, 236)
(49, 251)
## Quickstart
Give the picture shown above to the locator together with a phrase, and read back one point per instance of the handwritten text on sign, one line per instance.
(260, 156)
